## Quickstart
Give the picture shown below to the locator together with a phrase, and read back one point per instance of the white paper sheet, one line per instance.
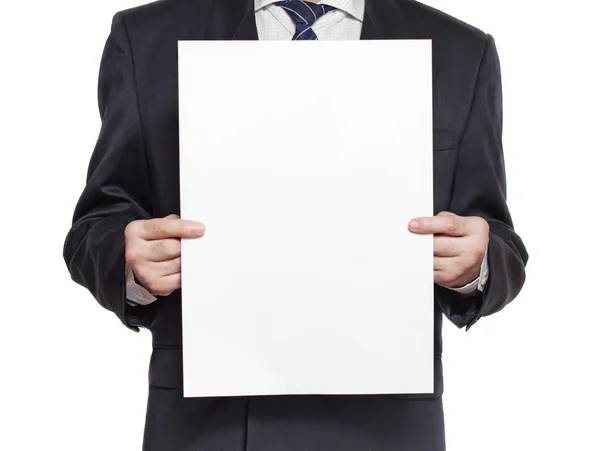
(306, 161)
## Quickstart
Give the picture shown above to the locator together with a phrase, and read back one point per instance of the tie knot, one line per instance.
(304, 12)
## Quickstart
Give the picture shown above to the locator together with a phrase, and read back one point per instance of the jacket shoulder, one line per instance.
(159, 14)
(439, 24)
(452, 39)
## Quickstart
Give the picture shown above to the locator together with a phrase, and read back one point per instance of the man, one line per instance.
(126, 219)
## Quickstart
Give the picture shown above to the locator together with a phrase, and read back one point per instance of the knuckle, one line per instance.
(132, 229)
(142, 273)
(159, 228)
(162, 289)
(153, 286)
(131, 255)
(476, 249)
(481, 225)
(479, 250)
(173, 247)
(452, 223)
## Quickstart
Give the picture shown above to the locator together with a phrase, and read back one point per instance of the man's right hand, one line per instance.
(153, 249)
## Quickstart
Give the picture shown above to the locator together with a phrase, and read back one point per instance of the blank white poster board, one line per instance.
(306, 161)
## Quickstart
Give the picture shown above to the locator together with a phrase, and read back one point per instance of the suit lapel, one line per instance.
(385, 19)
(247, 28)
(369, 29)
(231, 19)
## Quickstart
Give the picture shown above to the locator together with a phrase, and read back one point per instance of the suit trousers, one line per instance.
(292, 423)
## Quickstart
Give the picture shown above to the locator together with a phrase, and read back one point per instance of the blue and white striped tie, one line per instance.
(304, 14)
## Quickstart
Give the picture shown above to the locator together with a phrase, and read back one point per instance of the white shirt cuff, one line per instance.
(136, 294)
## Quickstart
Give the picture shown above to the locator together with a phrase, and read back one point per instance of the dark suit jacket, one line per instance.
(133, 173)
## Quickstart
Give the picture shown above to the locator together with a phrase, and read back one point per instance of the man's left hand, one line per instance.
(459, 246)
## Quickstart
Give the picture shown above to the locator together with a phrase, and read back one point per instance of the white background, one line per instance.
(72, 377)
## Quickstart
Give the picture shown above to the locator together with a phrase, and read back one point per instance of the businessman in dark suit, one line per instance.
(125, 239)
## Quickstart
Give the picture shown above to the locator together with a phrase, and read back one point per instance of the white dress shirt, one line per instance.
(274, 23)
(344, 23)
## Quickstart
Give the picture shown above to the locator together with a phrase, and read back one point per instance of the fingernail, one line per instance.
(414, 224)
(196, 227)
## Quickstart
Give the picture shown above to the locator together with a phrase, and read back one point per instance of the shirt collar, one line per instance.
(356, 8)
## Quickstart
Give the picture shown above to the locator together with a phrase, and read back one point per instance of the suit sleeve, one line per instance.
(480, 190)
(117, 190)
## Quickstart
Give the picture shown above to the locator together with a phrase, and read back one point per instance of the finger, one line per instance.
(451, 224)
(443, 263)
(165, 285)
(441, 277)
(470, 225)
(161, 250)
(150, 271)
(156, 229)
(446, 246)
(169, 267)
(445, 277)
(154, 251)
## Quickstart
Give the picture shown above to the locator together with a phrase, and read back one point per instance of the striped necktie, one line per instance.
(304, 14)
